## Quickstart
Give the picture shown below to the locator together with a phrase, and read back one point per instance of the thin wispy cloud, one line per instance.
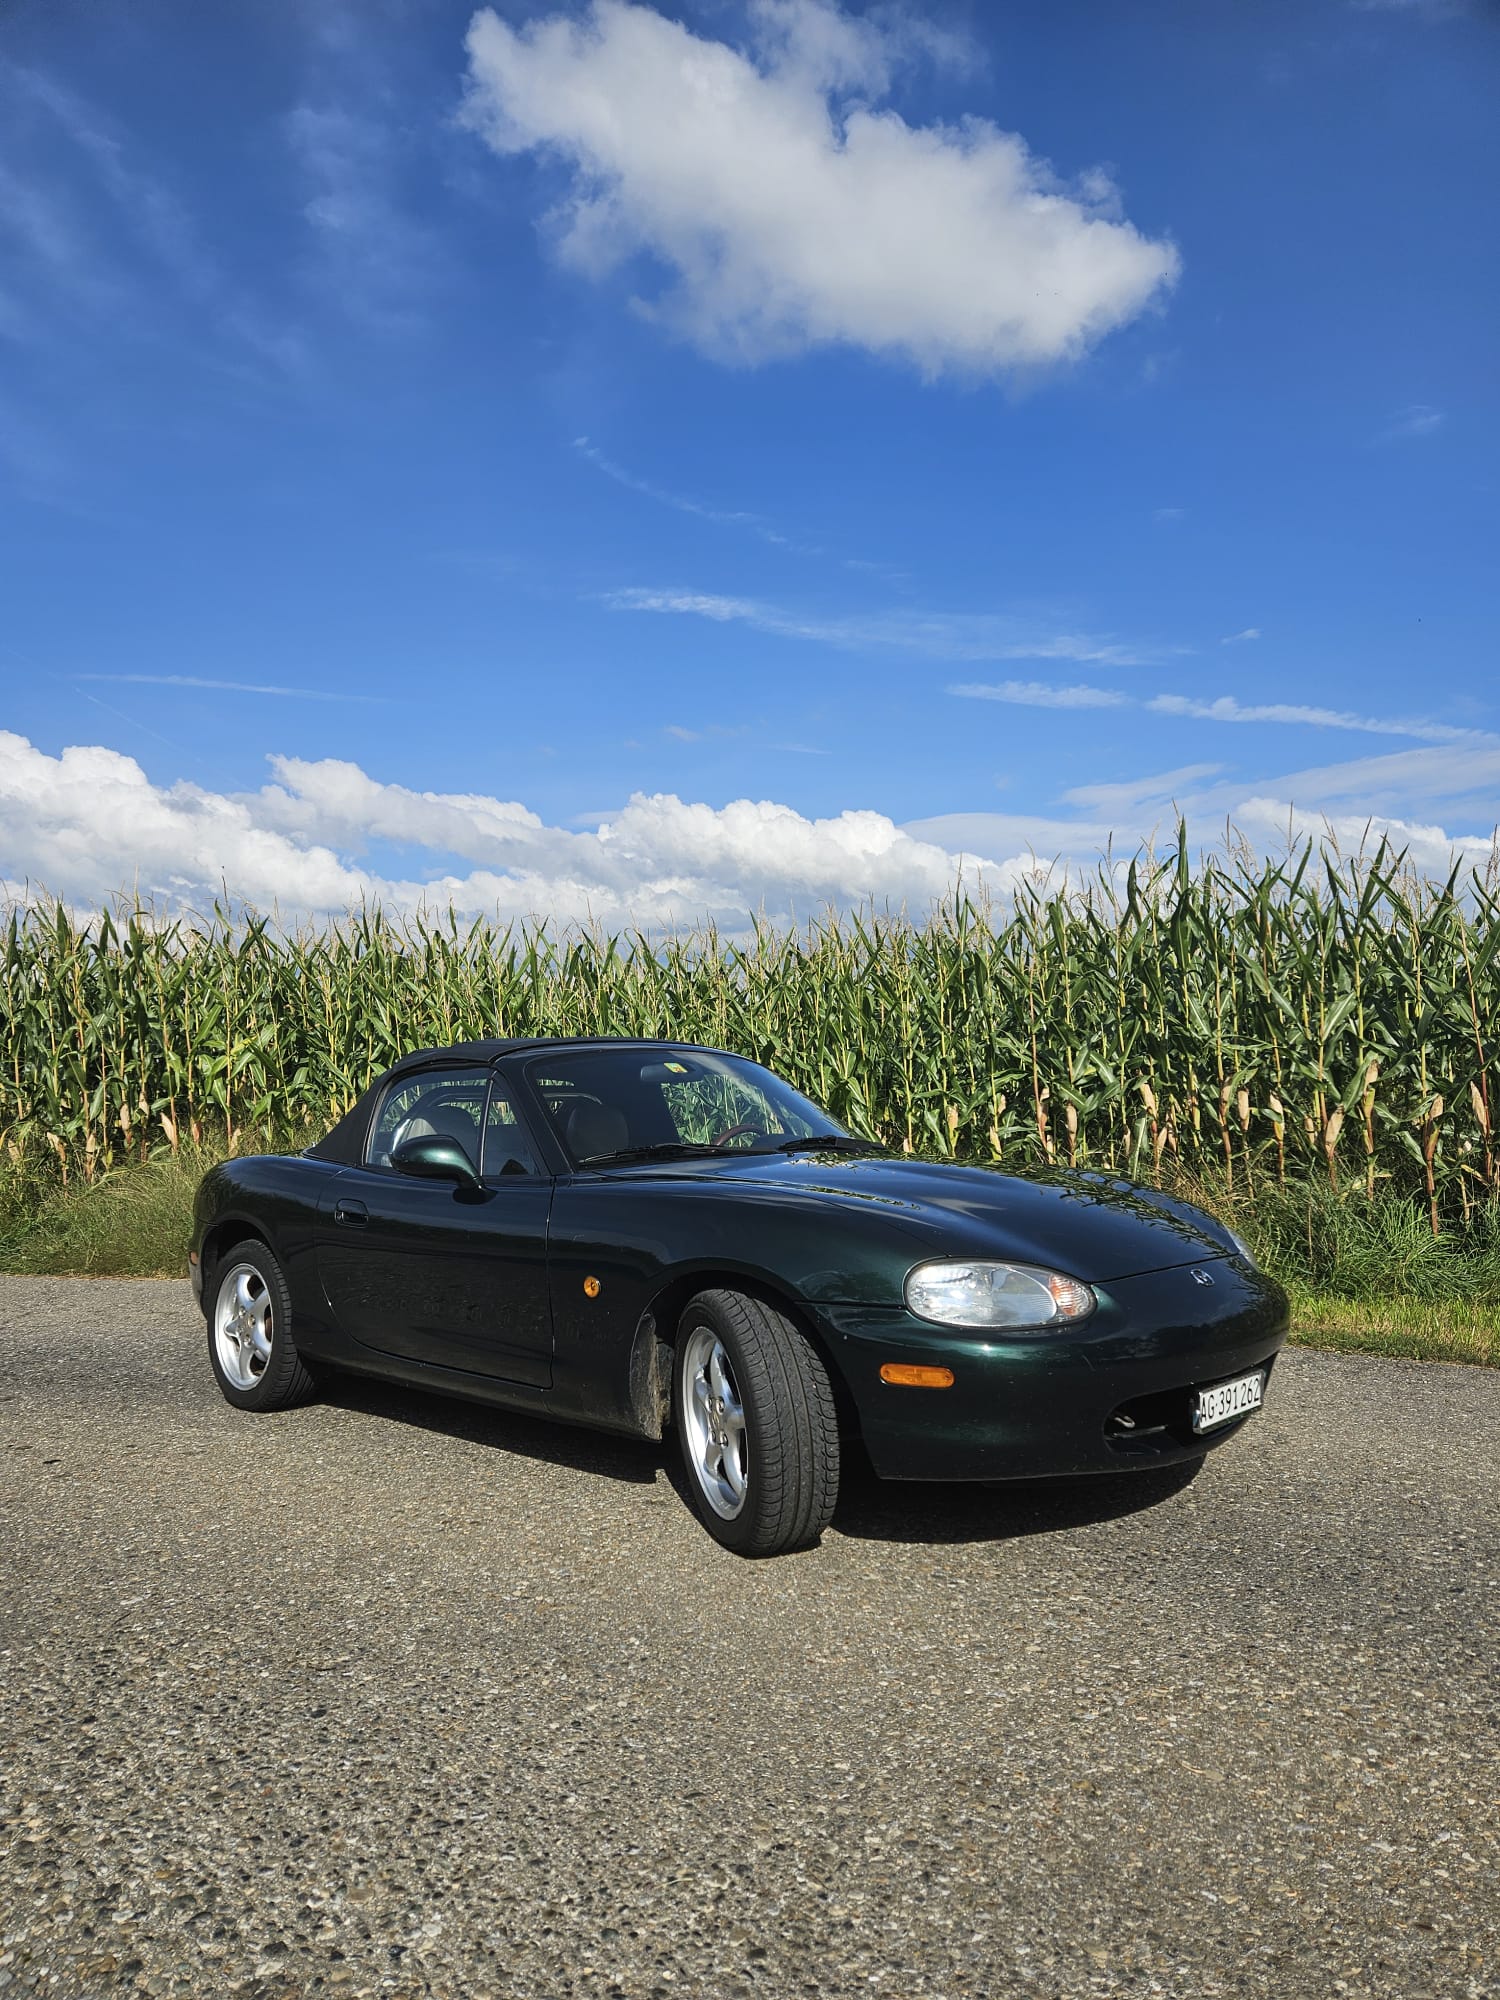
(1225, 708)
(1239, 638)
(225, 687)
(721, 517)
(1416, 10)
(935, 635)
(1417, 420)
(374, 256)
(135, 259)
(1042, 694)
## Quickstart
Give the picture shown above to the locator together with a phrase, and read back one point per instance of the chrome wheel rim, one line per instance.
(714, 1422)
(243, 1326)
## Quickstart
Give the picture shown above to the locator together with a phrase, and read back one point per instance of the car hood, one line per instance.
(1092, 1226)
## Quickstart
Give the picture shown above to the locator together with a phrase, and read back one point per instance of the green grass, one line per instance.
(132, 1223)
(1366, 1276)
(1409, 1329)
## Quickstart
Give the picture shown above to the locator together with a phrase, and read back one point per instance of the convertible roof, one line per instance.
(345, 1143)
(492, 1049)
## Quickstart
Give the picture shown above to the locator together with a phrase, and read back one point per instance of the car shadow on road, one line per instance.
(869, 1509)
(635, 1461)
(883, 1510)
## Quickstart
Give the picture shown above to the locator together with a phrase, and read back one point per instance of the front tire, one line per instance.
(756, 1424)
(250, 1345)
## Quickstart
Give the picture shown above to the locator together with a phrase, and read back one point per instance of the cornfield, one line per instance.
(1239, 1019)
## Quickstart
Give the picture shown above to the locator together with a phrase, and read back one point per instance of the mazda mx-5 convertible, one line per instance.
(646, 1236)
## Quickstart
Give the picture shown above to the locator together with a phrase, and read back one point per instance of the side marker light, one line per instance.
(912, 1375)
(591, 1288)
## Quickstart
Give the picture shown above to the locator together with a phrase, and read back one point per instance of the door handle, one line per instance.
(354, 1213)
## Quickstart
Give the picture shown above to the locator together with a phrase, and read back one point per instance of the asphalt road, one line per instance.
(391, 1695)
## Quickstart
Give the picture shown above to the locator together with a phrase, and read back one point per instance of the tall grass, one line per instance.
(1262, 1024)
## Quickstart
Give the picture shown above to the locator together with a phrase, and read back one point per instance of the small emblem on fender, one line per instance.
(1202, 1277)
(591, 1288)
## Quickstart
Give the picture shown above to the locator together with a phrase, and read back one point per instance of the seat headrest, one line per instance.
(439, 1121)
(594, 1131)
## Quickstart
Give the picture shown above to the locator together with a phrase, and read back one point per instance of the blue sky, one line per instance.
(954, 431)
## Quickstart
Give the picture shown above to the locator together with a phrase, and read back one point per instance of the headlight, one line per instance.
(997, 1295)
(1242, 1248)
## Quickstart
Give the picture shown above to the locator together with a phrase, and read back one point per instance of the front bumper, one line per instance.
(1047, 1404)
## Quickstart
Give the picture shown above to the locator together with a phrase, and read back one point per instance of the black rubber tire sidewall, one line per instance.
(286, 1381)
(791, 1425)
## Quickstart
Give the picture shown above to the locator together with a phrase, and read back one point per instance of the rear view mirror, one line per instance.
(435, 1159)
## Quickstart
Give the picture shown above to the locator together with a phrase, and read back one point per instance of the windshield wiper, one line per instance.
(830, 1142)
(666, 1149)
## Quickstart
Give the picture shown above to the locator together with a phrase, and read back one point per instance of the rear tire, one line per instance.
(250, 1344)
(756, 1425)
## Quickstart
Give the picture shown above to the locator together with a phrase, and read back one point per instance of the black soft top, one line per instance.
(344, 1145)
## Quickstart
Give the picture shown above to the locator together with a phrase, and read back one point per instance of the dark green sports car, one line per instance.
(648, 1235)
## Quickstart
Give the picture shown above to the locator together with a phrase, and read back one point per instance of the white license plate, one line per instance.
(1219, 1405)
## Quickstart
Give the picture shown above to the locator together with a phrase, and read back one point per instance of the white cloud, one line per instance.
(1120, 800)
(1042, 694)
(90, 823)
(790, 210)
(1238, 638)
(1226, 709)
(1355, 803)
(937, 635)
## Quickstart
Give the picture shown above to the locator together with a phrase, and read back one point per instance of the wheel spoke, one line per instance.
(718, 1375)
(733, 1471)
(242, 1294)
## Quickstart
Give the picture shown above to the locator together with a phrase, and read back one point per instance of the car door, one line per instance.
(433, 1272)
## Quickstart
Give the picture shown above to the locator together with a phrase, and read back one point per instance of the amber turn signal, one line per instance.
(912, 1375)
(591, 1288)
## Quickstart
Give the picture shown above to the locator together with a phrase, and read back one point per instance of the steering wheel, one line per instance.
(736, 1131)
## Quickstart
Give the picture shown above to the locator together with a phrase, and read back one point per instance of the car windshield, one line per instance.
(629, 1103)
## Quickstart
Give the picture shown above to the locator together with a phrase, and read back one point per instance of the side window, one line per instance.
(506, 1147)
(435, 1103)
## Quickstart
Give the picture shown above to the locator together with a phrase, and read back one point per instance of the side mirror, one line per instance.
(435, 1159)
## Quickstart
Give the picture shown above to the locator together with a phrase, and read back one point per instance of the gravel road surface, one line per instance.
(392, 1695)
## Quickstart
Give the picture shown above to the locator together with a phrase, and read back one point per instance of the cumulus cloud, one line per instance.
(789, 207)
(89, 823)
